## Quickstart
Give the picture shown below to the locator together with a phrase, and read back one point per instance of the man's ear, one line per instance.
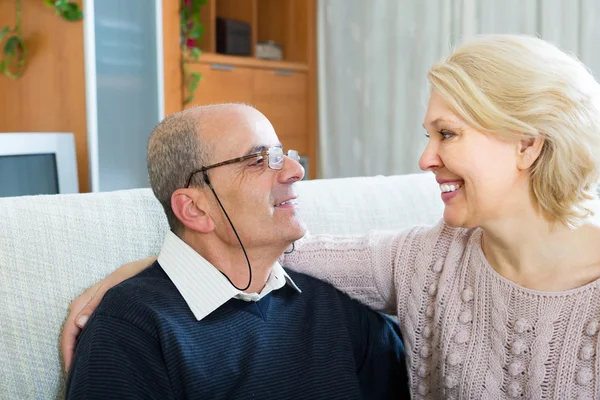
(529, 151)
(191, 208)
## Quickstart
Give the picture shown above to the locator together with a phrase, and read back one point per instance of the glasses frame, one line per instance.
(293, 154)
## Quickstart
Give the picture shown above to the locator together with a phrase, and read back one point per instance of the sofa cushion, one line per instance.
(54, 247)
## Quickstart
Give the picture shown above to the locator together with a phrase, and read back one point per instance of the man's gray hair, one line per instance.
(174, 152)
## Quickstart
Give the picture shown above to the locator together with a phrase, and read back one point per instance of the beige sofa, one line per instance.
(53, 247)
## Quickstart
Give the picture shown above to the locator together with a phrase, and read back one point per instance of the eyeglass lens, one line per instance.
(276, 157)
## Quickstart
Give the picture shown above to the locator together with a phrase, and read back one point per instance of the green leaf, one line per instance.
(3, 32)
(195, 6)
(49, 3)
(71, 12)
(192, 81)
(196, 32)
(185, 13)
(72, 16)
(195, 53)
(12, 45)
(2, 66)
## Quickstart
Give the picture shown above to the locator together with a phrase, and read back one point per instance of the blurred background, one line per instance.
(343, 81)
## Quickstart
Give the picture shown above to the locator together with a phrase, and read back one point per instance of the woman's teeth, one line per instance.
(449, 188)
(284, 203)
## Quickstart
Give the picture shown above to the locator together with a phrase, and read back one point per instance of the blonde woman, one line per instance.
(501, 299)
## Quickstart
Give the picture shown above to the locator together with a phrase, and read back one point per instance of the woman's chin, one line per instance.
(455, 220)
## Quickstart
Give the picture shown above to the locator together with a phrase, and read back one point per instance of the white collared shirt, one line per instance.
(203, 287)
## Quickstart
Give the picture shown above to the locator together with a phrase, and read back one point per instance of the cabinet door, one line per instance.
(281, 96)
(126, 92)
(222, 84)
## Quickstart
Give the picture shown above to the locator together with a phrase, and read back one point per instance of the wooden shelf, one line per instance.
(252, 62)
(284, 91)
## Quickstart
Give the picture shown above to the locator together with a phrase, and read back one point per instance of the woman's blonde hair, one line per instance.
(522, 86)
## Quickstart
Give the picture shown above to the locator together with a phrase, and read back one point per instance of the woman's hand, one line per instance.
(83, 306)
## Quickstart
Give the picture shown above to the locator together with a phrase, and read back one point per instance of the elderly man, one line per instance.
(216, 316)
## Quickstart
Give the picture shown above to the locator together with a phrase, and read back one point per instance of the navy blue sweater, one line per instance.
(143, 342)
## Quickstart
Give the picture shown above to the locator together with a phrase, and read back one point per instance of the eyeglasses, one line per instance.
(274, 156)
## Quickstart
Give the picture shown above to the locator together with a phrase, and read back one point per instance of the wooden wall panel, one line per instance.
(50, 96)
(172, 57)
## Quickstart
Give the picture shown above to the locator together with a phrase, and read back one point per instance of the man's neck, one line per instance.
(230, 260)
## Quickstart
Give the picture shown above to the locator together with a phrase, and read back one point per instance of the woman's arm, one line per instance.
(367, 268)
(83, 306)
(364, 267)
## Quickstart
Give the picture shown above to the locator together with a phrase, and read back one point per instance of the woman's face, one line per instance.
(478, 173)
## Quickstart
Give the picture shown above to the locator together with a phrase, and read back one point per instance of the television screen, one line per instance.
(29, 174)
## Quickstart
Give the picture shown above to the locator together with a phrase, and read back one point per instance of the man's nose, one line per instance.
(292, 171)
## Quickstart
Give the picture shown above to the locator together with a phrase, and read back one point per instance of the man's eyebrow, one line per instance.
(259, 148)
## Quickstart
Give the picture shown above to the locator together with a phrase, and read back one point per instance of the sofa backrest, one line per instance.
(54, 247)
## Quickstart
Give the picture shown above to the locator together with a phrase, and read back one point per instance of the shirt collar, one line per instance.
(203, 287)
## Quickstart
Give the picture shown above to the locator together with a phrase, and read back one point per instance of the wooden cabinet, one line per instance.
(285, 90)
(281, 96)
(222, 83)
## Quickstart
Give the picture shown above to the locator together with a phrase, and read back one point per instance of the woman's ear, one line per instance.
(191, 208)
(529, 151)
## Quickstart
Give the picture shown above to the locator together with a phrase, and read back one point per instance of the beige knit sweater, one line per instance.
(469, 332)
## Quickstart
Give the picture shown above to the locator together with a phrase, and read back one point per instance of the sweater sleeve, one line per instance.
(382, 367)
(116, 360)
(364, 267)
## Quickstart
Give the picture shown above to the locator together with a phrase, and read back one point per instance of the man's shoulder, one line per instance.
(300, 278)
(324, 299)
(316, 290)
(149, 291)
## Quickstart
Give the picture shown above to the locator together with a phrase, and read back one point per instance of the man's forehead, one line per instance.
(245, 140)
(239, 134)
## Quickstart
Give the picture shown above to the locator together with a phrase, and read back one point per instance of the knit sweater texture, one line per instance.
(143, 342)
(469, 332)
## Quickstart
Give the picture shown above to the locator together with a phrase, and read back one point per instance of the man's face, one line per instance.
(252, 193)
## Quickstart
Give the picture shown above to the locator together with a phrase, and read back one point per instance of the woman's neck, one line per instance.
(535, 253)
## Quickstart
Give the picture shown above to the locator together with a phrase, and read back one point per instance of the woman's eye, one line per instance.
(446, 134)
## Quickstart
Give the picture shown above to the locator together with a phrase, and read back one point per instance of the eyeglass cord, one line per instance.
(236, 235)
(238, 238)
(292, 250)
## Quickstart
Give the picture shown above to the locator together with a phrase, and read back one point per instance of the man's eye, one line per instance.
(259, 161)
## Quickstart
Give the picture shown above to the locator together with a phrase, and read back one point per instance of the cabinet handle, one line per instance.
(222, 67)
(284, 72)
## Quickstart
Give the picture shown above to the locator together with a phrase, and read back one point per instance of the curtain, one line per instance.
(373, 57)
